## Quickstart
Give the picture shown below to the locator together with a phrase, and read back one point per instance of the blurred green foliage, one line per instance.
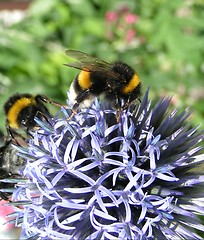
(163, 40)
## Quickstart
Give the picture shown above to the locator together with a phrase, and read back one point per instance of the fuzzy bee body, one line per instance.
(114, 81)
(21, 109)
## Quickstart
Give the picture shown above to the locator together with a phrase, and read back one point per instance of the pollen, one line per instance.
(84, 80)
(133, 83)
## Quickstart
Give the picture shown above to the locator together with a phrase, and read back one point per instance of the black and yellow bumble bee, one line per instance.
(10, 164)
(21, 109)
(115, 81)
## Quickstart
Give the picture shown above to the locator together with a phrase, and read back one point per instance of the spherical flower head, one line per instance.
(112, 174)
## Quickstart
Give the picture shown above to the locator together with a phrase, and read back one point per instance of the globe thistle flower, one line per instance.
(108, 174)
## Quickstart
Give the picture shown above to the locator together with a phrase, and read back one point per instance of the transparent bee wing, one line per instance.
(87, 63)
(83, 57)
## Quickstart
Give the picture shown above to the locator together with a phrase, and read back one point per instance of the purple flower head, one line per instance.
(97, 177)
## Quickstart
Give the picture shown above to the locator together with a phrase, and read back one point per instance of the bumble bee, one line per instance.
(10, 164)
(21, 109)
(114, 81)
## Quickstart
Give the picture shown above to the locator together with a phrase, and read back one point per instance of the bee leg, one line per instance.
(79, 99)
(19, 139)
(74, 111)
(11, 133)
(27, 130)
(118, 107)
(43, 116)
(127, 103)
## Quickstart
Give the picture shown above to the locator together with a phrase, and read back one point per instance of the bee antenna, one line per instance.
(45, 99)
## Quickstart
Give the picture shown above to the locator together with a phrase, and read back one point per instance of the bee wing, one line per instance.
(88, 63)
(82, 57)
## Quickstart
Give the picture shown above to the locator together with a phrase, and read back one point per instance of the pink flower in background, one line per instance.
(7, 231)
(4, 211)
(130, 18)
(130, 35)
(120, 25)
(111, 16)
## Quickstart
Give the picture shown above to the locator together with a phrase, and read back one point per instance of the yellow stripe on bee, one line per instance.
(16, 108)
(133, 83)
(84, 80)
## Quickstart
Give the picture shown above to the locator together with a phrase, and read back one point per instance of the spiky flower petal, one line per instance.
(106, 174)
